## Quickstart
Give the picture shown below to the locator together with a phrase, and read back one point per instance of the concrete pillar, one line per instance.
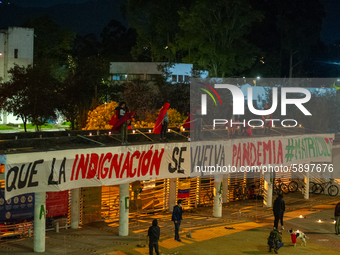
(225, 188)
(218, 196)
(75, 208)
(39, 221)
(268, 190)
(124, 209)
(172, 193)
(306, 190)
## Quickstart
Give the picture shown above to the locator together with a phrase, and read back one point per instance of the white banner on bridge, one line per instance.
(69, 169)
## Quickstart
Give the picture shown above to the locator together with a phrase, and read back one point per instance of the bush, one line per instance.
(100, 117)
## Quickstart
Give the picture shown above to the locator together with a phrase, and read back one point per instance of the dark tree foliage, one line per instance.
(84, 84)
(52, 44)
(117, 42)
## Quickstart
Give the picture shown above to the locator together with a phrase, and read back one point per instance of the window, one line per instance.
(16, 53)
(174, 78)
(119, 77)
(186, 78)
(180, 78)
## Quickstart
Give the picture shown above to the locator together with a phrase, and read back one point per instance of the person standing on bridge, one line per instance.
(337, 219)
(279, 209)
(162, 121)
(176, 218)
(154, 233)
(121, 120)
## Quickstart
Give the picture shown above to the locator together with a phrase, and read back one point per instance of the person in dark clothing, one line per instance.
(154, 234)
(176, 218)
(337, 219)
(275, 240)
(279, 209)
(120, 112)
(230, 117)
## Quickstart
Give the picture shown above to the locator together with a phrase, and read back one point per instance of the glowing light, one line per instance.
(133, 131)
(109, 133)
(297, 230)
(169, 130)
(149, 130)
(334, 222)
(319, 221)
(258, 77)
(301, 216)
(90, 134)
(183, 129)
(0, 53)
(300, 125)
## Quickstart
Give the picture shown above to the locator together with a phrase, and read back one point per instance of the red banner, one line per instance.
(56, 203)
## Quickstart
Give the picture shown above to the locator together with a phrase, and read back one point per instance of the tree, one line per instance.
(83, 85)
(214, 36)
(140, 97)
(117, 41)
(30, 95)
(156, 24)
(299, 24)
(86, 46)
(52, 44)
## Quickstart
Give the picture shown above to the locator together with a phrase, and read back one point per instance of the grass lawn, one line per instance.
(4, 127)
(31, 126)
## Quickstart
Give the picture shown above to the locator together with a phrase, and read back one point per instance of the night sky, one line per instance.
(86, 16)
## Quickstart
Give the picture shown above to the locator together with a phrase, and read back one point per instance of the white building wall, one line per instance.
(16, 47)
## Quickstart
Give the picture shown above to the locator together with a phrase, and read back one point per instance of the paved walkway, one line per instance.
(232, 234)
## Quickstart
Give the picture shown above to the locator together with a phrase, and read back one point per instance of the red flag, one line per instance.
(127, 116)
(158, 125)
(114, 119)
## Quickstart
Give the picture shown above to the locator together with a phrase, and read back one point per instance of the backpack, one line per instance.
(272, 239)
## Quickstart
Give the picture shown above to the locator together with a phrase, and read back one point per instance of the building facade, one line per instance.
(16, 47)
(149, 71)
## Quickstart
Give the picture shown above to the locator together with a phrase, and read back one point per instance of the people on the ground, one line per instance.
(279, 209)
(275, 240)
(267, 124)
(176, 218)
(230, 117)
(154, 234)
(162, 121)
(337, 218)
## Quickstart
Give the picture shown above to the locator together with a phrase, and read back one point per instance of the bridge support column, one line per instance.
(268, 190)
(39, 221)
(172, 193)
(75, 204)
(218, 196)
(124, 209)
